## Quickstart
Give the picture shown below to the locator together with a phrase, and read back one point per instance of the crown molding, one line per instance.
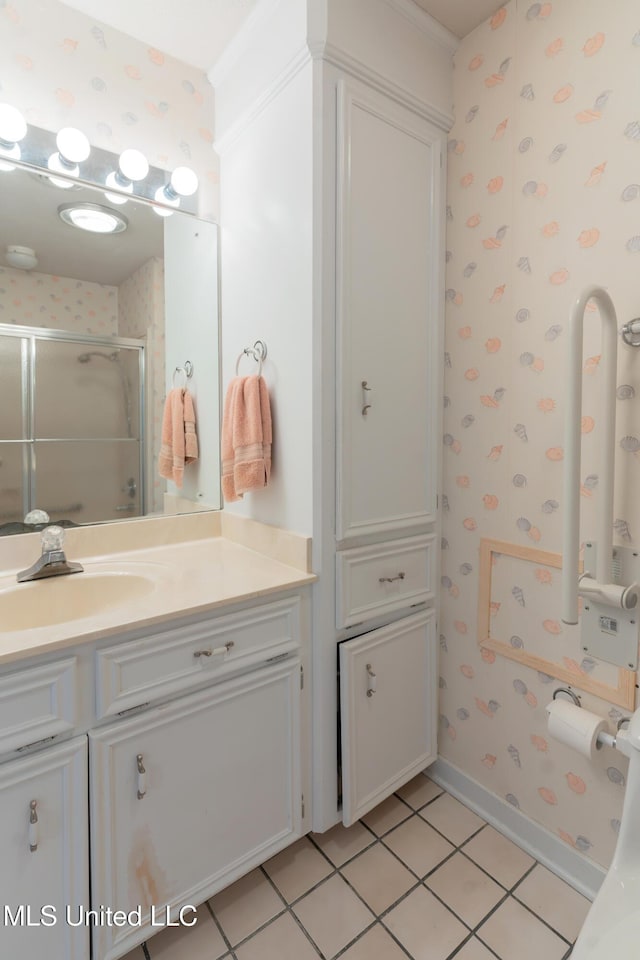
(329, 53)
(295, 65)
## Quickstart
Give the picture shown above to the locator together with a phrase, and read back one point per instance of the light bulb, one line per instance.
(116, 198)
(13, 126)
(117, 182)
(11, 153)
(163, 212)
(58, 165)
(133, 164)
(72, 144)
(184, 181)
(167, 196)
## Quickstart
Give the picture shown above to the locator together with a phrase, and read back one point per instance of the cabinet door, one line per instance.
(389, 295)
(388, 710)
(45, 854)
(189, 796)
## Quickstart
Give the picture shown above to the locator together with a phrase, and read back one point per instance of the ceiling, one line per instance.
(197, 31)
(460, 16)
(29, 204)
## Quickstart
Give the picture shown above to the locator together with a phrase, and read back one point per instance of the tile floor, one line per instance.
(420, 877)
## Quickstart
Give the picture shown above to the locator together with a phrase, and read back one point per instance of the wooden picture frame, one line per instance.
(623, 694)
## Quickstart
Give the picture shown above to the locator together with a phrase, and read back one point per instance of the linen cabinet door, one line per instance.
(388, 710)
(44, 839)
(388, 313)
(189, 796)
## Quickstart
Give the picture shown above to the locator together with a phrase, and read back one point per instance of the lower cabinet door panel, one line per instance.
(189, 796)
(388, 710)
(44, 843)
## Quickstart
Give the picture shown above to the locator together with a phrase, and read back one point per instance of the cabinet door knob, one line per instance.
(398, 576)
(366, 400)
(142, 777)
(372, 681)
(216, 652)
(33, 826)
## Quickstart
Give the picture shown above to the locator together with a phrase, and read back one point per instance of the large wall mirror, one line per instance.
(95, 329)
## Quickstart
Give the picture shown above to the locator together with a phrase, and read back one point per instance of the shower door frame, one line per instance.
(29, 337)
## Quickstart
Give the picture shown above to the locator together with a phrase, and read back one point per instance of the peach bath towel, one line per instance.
(179, 440)
(246, 437)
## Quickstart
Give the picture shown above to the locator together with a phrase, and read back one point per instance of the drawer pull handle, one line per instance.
(216, 652)
(33, 826)
(365, 404)
(398, 576)
(372, 681)
(142, 777)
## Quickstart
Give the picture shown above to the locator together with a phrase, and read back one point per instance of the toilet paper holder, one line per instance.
(604, 739)
(569, 693)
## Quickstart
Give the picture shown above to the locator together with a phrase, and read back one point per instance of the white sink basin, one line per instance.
(53, 600)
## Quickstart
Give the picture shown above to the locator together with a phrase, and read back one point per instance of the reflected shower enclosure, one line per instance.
(71, 426)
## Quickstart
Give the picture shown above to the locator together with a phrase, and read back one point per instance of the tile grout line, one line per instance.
(219, 926)
(291, 912)
(420, 881)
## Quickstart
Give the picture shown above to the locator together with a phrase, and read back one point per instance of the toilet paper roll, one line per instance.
(576, 727)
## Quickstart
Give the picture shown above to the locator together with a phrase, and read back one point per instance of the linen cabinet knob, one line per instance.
(142, 777)
(372, 681)
(33, 826)
(366, 400)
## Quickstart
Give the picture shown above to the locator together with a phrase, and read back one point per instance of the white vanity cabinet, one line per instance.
(44, 847)
(149, 770)
(189, 796)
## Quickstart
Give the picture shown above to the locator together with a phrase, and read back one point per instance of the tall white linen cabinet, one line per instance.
(331, 120)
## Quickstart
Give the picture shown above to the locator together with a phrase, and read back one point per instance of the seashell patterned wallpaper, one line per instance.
(543, 199)
(62, 68)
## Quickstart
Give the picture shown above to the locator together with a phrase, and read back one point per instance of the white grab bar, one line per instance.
(607, 422)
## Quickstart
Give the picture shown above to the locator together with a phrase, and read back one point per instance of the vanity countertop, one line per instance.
(191, 577)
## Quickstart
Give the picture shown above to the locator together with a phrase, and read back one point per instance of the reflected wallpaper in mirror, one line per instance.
(89, 341)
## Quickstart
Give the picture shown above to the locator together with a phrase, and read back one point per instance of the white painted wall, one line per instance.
(266, 247)
(255, 61)
(191, 325)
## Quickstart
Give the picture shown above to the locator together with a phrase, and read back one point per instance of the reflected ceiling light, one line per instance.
(73, 148)
(132, 166)
(162, 211)
(183, 183)
(22, 258)
(13, 128)
(93, 217)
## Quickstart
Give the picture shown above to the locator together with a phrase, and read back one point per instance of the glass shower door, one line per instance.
(14, 446)
(87, 432)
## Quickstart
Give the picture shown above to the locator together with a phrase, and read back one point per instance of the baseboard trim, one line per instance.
(584, 875)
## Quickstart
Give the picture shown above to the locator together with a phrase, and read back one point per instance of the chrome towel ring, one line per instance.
(259, 353)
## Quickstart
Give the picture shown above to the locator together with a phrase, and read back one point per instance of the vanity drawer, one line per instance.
(377, 579)
(174, 661)
(37, 703)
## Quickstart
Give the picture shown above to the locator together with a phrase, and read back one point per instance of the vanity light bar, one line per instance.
(69, 155)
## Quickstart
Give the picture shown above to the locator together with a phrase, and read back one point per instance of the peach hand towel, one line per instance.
(179, 442)
(246, 437)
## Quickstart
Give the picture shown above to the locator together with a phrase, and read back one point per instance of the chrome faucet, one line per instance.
(52, 562)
